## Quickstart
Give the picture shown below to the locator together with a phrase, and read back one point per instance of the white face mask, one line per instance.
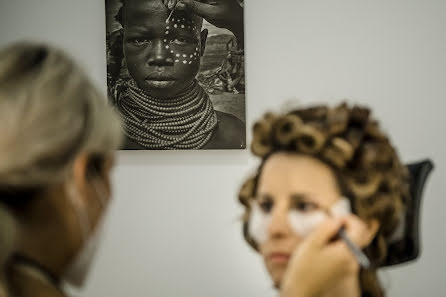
(302, 223)
(77, 272)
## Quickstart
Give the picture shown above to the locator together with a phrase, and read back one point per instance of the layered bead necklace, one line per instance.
(184, 122)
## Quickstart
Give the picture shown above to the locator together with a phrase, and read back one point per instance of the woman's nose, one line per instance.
(279, 225)
(159, 54)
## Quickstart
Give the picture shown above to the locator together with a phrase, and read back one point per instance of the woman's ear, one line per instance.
(80, 179)
(360, 231)
(91, 178)
(372, 227)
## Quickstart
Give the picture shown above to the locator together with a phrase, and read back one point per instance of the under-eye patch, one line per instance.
(301, 222)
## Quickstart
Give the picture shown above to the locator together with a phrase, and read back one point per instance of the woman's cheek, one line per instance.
(184, 55)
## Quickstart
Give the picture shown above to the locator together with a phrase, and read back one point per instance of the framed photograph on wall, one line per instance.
(176, 73)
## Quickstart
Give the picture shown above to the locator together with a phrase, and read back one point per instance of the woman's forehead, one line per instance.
(155, 11)
(288, 175)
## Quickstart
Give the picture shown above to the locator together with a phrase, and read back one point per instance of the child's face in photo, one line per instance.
(163, 58)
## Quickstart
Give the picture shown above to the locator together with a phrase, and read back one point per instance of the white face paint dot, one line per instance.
(182, 26)
(175, 26)
(167, 32)
(177, 61)
(173, 19)
(167, 47)
(184, 62)
(165, 40)
(190, 62)
(167, 27)
(177, 55)
(171, 51)
(184, 56)
(191, 56)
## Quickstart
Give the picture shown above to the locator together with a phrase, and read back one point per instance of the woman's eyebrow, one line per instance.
(264, 196)
(137, 30)
(299, 197)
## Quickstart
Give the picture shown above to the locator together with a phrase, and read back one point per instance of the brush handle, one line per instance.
(359, 254)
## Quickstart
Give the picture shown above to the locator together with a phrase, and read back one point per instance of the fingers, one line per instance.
(325, 232)
(356, 230)
(202, 9)
(171, 4)
(342, 255)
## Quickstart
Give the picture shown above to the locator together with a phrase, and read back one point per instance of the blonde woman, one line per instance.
(57, 141)
(326, 202)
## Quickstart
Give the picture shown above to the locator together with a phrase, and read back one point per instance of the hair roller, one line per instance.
(247, 191)
(376, 154)
(364, 189)
(338, 152)
(344, 147)
(359, 115)
(337, 119)
(316, 113)
(310, 140)
(270, 117)
(354, 137)
(287, 129)
(261, 143)
(332, 155)
(372, 130)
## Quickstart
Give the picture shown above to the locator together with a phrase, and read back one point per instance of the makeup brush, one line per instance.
(359, 254)
(362, 258)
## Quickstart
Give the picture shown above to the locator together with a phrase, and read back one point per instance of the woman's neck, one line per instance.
(184, 122)
(348, 288)
(27, 281)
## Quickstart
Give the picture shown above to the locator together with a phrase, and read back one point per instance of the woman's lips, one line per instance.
(160, 80)
(161, 84)
(279, 258)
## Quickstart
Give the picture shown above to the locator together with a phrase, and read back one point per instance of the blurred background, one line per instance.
(174, 226)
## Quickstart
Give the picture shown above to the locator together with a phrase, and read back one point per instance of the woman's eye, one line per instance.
(266, 206)
(181, 41)
(305, 206)
(140, 41)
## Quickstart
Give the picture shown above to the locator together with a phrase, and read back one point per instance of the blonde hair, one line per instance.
(50, 113)
(367, 167)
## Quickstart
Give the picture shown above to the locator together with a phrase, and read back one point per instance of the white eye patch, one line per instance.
(301, 222)
(258, 223)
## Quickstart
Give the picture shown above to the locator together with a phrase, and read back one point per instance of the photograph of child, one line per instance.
(175, 73)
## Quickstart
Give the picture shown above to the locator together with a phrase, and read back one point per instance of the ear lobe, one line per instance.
(80, 167)
(372, 227)
(204, 36)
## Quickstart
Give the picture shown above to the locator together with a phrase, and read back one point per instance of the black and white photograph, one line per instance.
(176, 73)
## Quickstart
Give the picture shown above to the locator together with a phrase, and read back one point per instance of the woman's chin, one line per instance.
(277, 276)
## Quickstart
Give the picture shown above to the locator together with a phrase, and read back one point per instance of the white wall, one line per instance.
(173, 228)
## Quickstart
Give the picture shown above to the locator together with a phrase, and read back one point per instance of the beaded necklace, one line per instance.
(186, 121)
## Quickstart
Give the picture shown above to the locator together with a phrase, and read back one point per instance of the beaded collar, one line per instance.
(184, 122)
